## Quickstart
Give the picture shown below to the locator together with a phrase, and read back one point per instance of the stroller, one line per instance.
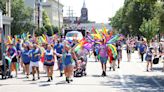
(7, 73)
(80, 69)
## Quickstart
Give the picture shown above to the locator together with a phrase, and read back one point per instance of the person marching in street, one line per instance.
(103, 57)
(119, 52)
(35, 59)
(12, 55)
(149, 58)
(25, 55)
(67, 59)
(58, 49)
(128, 50)
(49, 62)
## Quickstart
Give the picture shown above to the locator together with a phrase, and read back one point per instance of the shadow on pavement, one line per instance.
(135, 83)
(44, 85)
(61, 82)
(157, 69)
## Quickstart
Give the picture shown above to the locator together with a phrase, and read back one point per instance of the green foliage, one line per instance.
(2, 6)
(149, 28)
(132, 16)
(47, 28)
(22, 17)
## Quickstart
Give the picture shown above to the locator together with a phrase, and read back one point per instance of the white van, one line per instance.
(74, 35)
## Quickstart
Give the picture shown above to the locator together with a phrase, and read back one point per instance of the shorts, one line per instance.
(69, 65)
(103, 60)
(26, 63)
(35, 64)
(49, 63)
(14, 59)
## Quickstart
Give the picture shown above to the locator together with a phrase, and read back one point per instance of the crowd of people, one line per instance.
(63, 53)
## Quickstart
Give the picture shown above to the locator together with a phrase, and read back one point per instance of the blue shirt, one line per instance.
(142, 47)
(48, 55)
(34, 56)
(18, 46)
(12, 51)
(58, 48)
(25, 56)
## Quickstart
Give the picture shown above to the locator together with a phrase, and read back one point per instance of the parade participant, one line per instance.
(12, 54)
(67, 59)
(18, 47)
(25, 54)
(142, 50)
(95, 52)
(35, 58)
(128, 51)
(103, 57)
(49, 62)
(112, 61)
(149, 56)
(58, 48)
(119, 51)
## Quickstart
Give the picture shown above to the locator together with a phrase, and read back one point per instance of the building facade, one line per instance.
(54, 10)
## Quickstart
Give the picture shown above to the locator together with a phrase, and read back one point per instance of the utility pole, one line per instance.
(70, 15)
(59, 31)
(39, 3)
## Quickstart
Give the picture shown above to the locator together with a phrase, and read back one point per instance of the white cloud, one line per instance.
(99, 10)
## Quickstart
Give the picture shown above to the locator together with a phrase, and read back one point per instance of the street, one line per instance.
(131, 77)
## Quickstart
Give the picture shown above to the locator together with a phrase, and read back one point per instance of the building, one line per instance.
(69, 20)
(5, 22)
(6, 19)
(54, 10)
(84, 14)
(50, 6)
(77, 20)
(37, 10)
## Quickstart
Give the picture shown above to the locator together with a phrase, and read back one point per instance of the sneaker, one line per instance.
(67, 80)
(27, 76)
(61, 74)
(110, 68)
(51, 78)
(104, 73)
(33, 79)
(38, 78)
(48, 80)
(118, 66)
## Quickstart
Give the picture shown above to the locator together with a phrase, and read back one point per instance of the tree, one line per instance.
(130, 17)
(149, 28)
(2, 6)
(22, 17)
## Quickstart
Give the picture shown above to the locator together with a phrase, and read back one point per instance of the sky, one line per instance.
(98, 10)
